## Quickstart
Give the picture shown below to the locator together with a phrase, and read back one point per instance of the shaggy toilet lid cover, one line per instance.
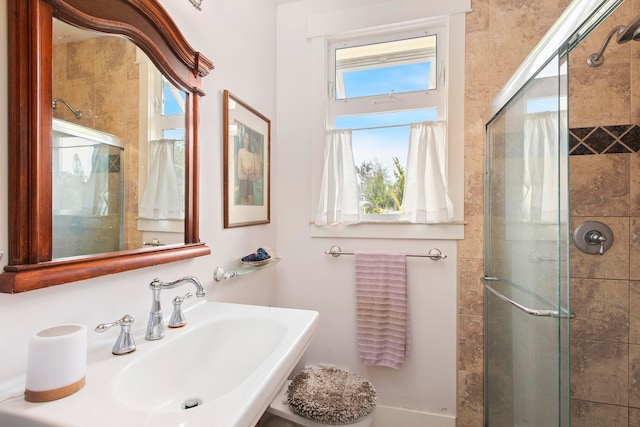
(330, 395)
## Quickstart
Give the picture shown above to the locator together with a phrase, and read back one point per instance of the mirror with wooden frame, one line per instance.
(72, 171)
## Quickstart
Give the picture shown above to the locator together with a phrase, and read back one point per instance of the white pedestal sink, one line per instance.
(222, 370)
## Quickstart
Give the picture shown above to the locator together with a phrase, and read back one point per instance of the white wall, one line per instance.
(310, 279)
(239, 37)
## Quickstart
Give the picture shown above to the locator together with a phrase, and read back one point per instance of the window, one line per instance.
(172, 127)
(161, 157)
(425, 47)
(380, 68)
(379, 85)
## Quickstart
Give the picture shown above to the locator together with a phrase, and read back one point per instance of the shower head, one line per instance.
(623, 35)
(630, 31)
(76, 113)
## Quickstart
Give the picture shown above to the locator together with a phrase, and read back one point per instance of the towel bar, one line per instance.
(562, 314)
(435, 254)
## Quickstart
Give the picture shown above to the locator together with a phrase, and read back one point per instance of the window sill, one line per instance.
(392, 230)
(161, 225)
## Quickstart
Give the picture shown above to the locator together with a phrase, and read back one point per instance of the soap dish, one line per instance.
(256, 263)
(259, 258)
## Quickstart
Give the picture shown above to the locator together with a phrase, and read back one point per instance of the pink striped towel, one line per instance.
(382, 315)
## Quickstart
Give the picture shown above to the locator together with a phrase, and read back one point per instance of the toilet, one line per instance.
(281, 414)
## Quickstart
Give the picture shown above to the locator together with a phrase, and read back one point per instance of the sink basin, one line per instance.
(222, 369)
(201, 369)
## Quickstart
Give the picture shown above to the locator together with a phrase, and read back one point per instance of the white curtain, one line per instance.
(426, 195)
(339, 193)
(96, 190)
(161, 198)
(540, 167)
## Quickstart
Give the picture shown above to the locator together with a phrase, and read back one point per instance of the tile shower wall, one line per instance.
(102, 87)
(605, 290)
(610, 182)
(605, 187)
(494, 50)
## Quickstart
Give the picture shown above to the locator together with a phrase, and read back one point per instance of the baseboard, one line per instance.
(390, 416)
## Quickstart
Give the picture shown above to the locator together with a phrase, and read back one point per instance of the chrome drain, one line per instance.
(191, 403)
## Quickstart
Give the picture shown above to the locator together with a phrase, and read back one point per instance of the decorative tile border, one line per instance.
(604, 140)
(114, 163)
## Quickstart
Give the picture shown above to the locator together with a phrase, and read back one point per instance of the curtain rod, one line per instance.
(387, 126)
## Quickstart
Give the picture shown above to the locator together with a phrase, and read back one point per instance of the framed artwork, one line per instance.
(247, 166)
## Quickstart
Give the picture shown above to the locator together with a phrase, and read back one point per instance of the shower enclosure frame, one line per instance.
(84, 229)
(527, 253)
(526, 256)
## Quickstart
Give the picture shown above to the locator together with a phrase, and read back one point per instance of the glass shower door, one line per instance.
(526, 256)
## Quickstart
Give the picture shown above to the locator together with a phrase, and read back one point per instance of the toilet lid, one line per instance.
(331, 395)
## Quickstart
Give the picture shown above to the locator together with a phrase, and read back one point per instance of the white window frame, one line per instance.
(383, 103)
(375, 39)
(152, 123)
(448, 93)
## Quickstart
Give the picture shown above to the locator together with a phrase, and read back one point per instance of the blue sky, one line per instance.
(377, 81)
(384, 144)
(171, 106)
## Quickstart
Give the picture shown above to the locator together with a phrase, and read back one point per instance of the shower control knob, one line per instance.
(593, 237)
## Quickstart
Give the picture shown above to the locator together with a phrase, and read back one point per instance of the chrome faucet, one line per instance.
(177, 317)
(155, 327)
(125, 343)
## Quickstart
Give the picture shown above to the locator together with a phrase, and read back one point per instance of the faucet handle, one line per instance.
(177, 318)
(125, 342)
(595, 237)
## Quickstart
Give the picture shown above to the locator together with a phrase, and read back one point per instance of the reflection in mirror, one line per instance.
(108, 104)
(118, 147)
(87, 191)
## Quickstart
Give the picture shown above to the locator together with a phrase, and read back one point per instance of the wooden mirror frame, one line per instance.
(147, 24)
